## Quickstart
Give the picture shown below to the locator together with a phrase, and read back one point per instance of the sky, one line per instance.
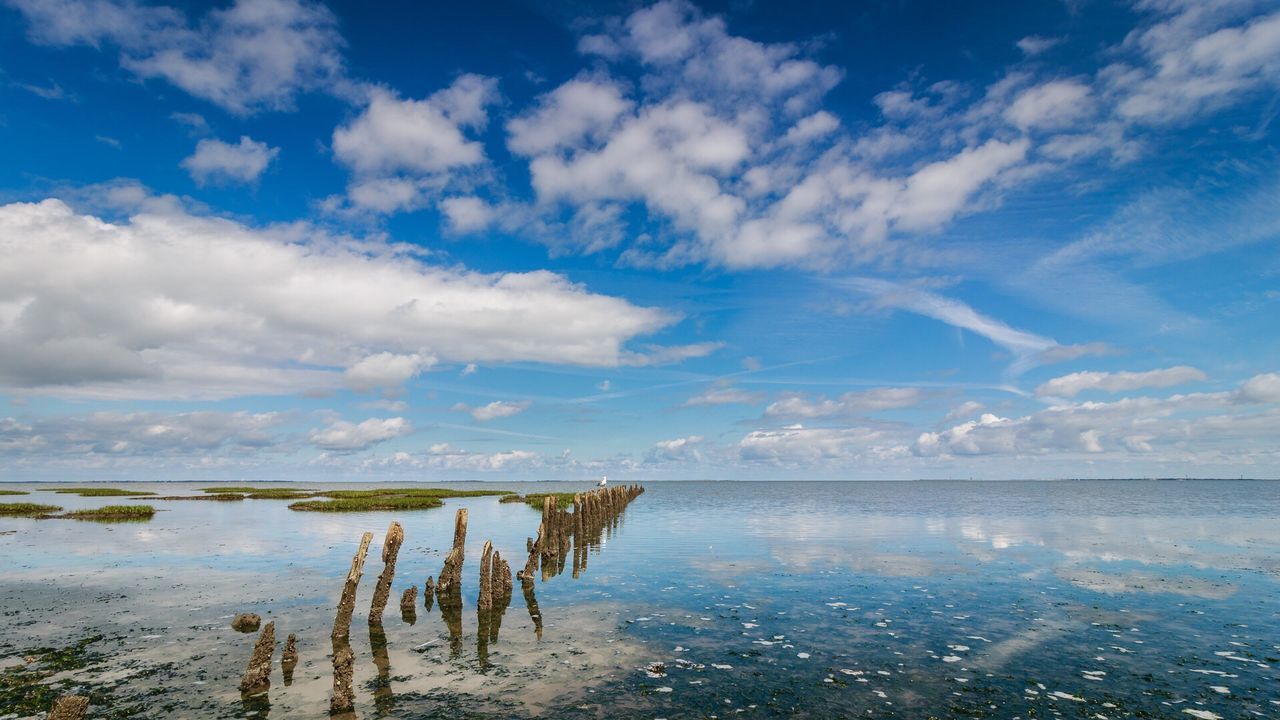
(286, 240)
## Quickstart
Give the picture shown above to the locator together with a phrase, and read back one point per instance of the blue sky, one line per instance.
(275, 239)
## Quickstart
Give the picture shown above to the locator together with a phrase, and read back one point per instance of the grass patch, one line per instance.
(101, 492)
(370, 503)
(278, 494)
(13, 492)
(410, 492)
(220, 497)
(113, 512)
(26, 509)
(534, 500)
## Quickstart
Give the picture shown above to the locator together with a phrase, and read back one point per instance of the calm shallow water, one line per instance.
(1011, 600)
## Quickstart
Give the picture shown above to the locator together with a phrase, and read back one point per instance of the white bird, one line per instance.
(604, 479)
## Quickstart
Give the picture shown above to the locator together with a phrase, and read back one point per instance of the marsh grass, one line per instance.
(534, 500)
(410, 492)
(113, 512)
(13, 492)
(219, 497)
(27, 509)
(101, 492)
(370, 503)
(231, 489)
(278, 494)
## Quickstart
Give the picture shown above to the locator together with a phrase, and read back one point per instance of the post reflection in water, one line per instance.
(383, 699)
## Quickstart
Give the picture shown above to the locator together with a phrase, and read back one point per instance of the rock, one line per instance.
(246, 622)
(69, 707)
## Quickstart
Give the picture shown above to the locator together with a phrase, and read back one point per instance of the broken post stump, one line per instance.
(289, 658)
(258, 675)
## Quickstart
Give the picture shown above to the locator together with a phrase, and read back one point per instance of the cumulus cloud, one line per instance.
(1196, 58)
(385, 370)
(172, 304)
(142, 434)
(494, 410)
(345, 437)
(1060, 103)
(1076, 383)
(253, 55)
(685, 449)
(800, 406)
(447, 457)
(402, 152)
(218, 161)
(800, 445)
(1190, 424)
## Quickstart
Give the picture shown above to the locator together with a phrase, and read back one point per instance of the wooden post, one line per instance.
(390, 549)
(258, 675)
(342, 623)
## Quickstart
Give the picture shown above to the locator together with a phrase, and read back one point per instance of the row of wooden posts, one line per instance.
(559, 534)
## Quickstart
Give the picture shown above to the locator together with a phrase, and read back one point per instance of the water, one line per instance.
(1008, 600)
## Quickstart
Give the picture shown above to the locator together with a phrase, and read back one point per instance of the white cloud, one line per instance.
(467, 214)
(255, 54)
(387, 371)
(413, 136)
(1076, 383)
(1056, 104)
(724, 396)
(344, 437)
(685, 449)
(217, 161)
(798, 445)
(140, 434)
(1260, 389)
(577, 111)
(1190, 425)
(402, 152)
(799, 406)
(1027, 346)
(494, 410)
(171, 304)
(446, 457)
(1035, 44)
(965, 409)
(1196, 60)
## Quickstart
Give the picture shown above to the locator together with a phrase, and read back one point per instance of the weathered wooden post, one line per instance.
(257, 676)
(347, 603)
(289, 658)
(390, 549)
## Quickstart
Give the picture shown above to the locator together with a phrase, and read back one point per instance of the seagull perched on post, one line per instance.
(604, 480)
